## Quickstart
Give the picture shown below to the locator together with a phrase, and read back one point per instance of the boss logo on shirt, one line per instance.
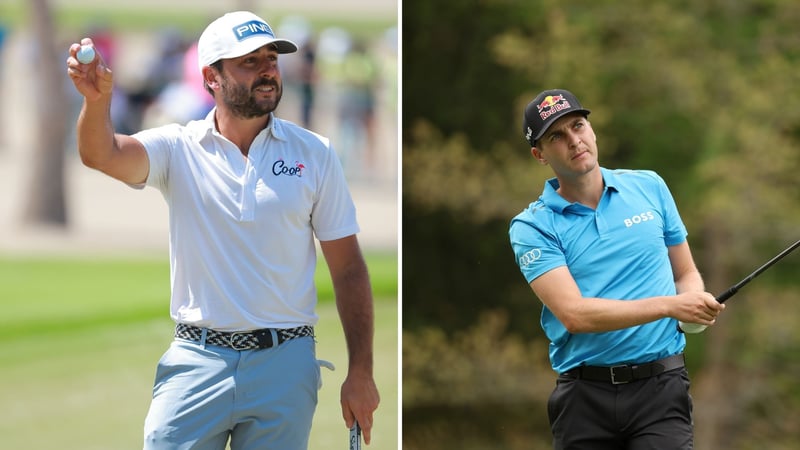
(639, 218)
(280, 167)
(530, 257)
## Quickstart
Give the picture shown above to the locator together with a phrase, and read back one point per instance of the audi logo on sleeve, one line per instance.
(530, 257)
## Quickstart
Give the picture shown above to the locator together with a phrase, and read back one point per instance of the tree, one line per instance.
(46, 203)
(702, 92)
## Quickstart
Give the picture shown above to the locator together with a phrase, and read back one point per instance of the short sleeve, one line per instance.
(674, 228)
(334, 213)
(159, 144)
(536, 249)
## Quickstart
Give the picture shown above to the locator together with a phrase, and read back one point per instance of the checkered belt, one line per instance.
(243, 340)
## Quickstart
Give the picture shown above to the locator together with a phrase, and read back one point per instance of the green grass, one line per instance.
(191, 22)
(80, 338)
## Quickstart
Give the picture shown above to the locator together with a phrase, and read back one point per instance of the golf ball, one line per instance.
(85, 54)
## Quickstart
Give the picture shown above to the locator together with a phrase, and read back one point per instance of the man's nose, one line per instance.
(573, 138)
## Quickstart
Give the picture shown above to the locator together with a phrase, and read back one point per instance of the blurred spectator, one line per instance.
(389, 46)
(334, 43)
(308, 81)
(3, 32)
(299, 71)
(2, 37)
(183, 99)
(360, 78)
(166, 68)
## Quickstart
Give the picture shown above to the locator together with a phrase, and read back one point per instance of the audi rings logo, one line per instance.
(530, 257)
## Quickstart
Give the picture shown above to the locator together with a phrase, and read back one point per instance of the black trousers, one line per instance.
(650, 414)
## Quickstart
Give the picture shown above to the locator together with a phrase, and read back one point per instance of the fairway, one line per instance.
(79, 342)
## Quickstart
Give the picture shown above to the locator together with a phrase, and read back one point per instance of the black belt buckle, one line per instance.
(621, 374)
(264, 338)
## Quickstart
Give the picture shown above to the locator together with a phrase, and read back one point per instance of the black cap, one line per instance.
(545, 109)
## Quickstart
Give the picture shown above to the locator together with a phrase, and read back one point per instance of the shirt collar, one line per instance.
(207, 126)
(551, 198)
(554, 201)
(610, 179)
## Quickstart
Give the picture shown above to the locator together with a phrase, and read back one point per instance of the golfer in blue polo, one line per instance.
(606, 253)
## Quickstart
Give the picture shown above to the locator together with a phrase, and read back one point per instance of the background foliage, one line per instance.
(705, 93)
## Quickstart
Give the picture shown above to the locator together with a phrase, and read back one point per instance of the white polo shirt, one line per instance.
(242, 251)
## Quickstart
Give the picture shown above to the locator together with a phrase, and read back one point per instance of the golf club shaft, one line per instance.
(695, 328)
(355, 437)
(735, 288)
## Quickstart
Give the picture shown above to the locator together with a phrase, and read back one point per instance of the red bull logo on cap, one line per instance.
(551, 105)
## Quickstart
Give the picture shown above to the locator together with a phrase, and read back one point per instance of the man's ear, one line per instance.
(537, 154)
(210, 77)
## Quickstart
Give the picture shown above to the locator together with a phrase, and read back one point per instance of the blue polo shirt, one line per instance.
(618, 251)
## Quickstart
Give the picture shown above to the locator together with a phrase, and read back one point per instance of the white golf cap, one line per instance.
(236, 34)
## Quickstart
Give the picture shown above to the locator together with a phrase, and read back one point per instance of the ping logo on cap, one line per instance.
(252, 28)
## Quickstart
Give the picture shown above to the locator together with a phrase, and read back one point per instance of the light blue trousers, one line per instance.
(259, 399)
